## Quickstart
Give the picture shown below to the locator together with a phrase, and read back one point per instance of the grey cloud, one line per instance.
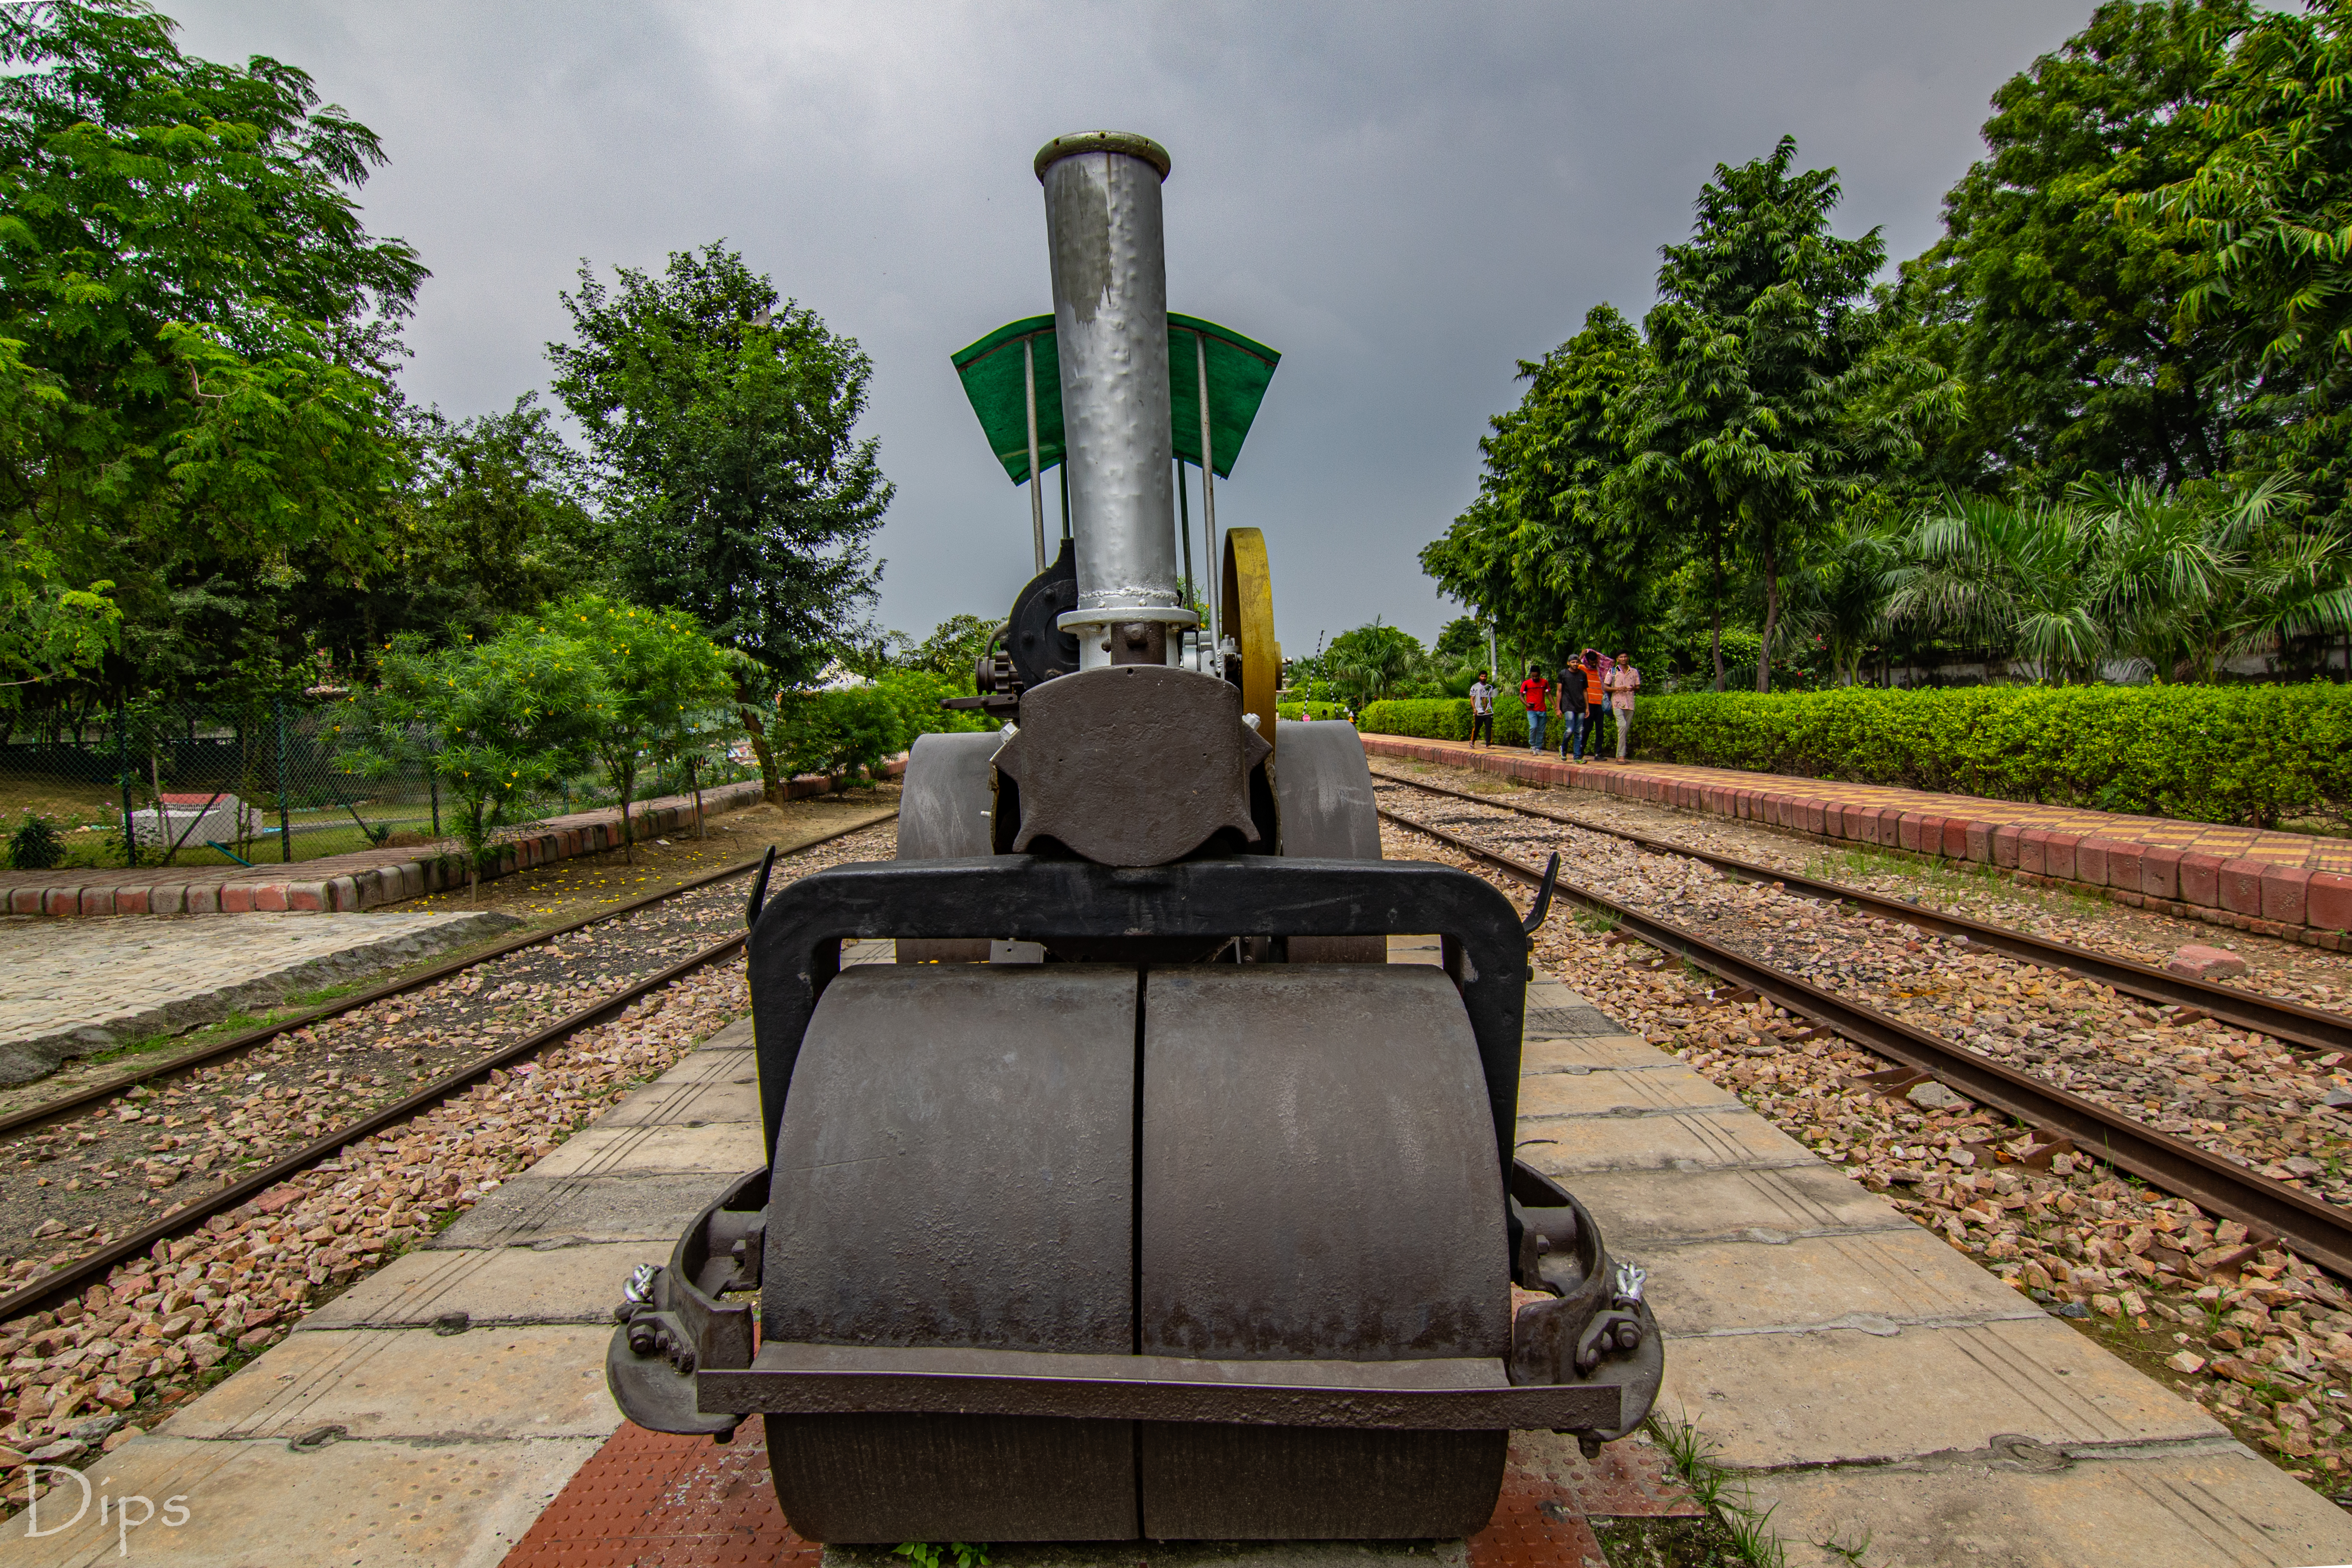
(1404, 199)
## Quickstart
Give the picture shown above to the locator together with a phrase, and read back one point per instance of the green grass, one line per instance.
(1751, 1541)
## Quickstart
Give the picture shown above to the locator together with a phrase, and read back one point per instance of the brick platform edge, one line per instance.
(2261, 897)
(347, 887)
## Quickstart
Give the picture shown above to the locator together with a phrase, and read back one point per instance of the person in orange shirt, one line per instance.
(1536, 692)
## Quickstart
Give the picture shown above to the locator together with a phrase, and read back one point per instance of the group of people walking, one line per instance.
(1587, 684)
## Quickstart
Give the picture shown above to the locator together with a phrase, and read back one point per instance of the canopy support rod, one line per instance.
(1184, 528)
(1208, 503)
(1036, 496)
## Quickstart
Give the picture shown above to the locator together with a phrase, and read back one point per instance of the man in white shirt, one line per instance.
(1482, 711)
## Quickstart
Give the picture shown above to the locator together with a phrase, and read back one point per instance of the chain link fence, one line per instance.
(260, 783)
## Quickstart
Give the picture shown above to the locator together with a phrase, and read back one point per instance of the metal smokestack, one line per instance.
(1110, 324)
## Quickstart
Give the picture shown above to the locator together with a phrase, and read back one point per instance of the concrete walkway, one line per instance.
(2292, 884)
(71, 988)
(1865, 1380)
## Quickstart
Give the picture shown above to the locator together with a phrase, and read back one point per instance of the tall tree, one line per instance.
(195, 404)
(719, 421)
(2064, 324)
(1746, 440)
(2269, 212)
(1541, 551)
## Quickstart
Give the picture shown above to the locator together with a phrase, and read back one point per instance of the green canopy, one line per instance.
(992, 374)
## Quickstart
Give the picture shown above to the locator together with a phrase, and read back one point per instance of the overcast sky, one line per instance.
(1403, 199)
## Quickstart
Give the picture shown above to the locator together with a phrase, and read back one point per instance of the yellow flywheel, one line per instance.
(1246, 615)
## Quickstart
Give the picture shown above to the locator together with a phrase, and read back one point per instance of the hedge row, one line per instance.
(1441, 717)
(1302, 710)
(2254, 754)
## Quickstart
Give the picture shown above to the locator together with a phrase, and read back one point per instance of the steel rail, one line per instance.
(68, 1279)
(89, 1094)
(2320, 1232)
(2308, 1027)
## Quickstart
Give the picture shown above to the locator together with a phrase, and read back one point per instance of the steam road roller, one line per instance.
(1141, 1198)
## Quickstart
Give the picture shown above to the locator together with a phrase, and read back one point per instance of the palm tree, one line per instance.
(2002, 575)
(1841, 596)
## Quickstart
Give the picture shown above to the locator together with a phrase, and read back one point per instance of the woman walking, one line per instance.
(1623, 681)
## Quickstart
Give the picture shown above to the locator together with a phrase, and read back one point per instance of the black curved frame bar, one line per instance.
(795, 950)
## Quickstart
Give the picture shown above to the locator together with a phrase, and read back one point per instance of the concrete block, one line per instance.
(1620, 1094)
(494, 1287)
(612, 1150)
(346, 892)
(2124, 859)
(1644, 1210)
(2058, 853)
(1688, 1141)
(98, 901)
(204, 899)
(2005, 845)
(413, 880)
(1980, 842)
(532, 1209)
(355, 1504)
(308, 898)
(717, 1098)
(1593, 1054)
(237, 898)
(1879, 1282)
(397, 1383)
(132, 901)
(2031, 842)
(2328, 900)
(2200, 879)
(2284, 894)
(2242, 887)
(2160, 872)
(1909, 827)
(1799, 1399)
(170, 898)
(2198, 962)
(2022, 1504)
(24, 901)
(1890, 826)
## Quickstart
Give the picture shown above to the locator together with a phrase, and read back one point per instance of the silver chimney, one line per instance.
(1110, 324)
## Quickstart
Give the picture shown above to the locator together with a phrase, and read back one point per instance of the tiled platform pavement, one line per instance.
(2291, 885)
(69, 988)
(1866, 1378)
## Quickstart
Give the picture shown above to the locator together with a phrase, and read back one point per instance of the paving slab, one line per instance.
(1606, 1053)
(1673, 1087)
(71, 988)
(260, 1504)
(1850, 1396)
(689, 1104)
(1678, 1141)
(733, 1147)
(492, 1286)
(1875, 1281)
(407, 1383)
(2021, 1506)
(1640, 1209)
(530, 1209)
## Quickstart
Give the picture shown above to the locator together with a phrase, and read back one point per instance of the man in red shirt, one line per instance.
(1536, 692)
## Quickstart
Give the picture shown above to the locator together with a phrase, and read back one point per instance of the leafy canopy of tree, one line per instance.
(195, 334)
(718, 420)
(2063, 324)
(652, 671)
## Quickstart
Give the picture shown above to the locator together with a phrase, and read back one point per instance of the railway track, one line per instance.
(2306, 1027)
(59, 1283)
(2320, 1231)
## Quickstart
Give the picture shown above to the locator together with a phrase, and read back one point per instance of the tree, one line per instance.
(1745, 439)
(652, 671)
(2269, 210)
(1543, 550)
(494, 526)
(496, 721)
(1369, 662)
(1839, 596)
(952, 650)
(194, 404)
(2064, 325)
(718, 421)
(847, 732)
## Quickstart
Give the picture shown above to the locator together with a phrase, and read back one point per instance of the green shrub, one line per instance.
(1301, 709)
(848, 732)
(36, 844)
(917, 694)
(1442, 718)
(2254, 754)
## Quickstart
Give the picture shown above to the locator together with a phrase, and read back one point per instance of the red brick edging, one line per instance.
(2111, 856)
(340, 883)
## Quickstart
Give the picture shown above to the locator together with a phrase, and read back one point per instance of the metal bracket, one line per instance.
(672, 1325)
